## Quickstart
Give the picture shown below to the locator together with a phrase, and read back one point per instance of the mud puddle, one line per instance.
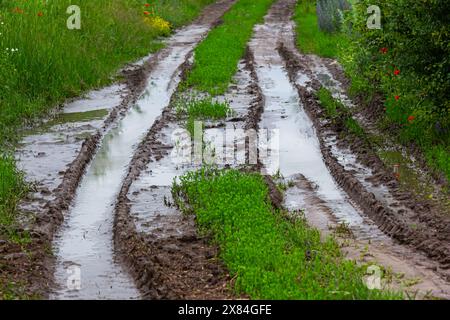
(85, 241)
(45, 153)
(299, 149)
(166, 255)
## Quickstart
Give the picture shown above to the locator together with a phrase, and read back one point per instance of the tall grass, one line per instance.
(268, 256)
(12, 187)
(310, 37)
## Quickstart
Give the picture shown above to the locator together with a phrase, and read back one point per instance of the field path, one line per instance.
(104, 172)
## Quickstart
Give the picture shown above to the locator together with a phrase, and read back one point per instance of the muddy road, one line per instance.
(102, 174)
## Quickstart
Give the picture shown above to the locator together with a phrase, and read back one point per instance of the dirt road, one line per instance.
(104, 172)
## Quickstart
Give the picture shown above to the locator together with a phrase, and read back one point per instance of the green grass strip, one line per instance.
(270, 257)
(217, 57)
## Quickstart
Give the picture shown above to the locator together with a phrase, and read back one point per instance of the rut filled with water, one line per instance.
(84, 247)
(299, 149)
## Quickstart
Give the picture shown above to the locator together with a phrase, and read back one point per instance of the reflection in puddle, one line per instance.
(299, 147)
(86, 238)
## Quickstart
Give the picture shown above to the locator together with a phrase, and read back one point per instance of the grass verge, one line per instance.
(269, 256)
(217, 57)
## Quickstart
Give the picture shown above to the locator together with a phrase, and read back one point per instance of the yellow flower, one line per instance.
(159, 24)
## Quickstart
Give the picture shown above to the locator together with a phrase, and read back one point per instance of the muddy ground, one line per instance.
(338, 180)
(56, 174)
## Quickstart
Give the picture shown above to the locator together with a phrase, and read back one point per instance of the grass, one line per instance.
(217, 57)
(309, 37)
(269, 256)
(199, 109)
(202, 108)
(336, 111)
(12, 188)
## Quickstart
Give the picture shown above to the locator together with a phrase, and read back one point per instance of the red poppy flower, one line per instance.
(40, 14)
(411, 118)
(396, 72)
(147, 5)
(384, 50)
(146, 13)
(397, 98)
(18, 10)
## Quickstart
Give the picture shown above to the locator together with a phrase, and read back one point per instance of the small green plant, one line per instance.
(202, 108)
(269, 256)
(194, 109)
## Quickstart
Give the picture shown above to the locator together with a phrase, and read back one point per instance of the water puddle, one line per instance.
(85, 242)
(150, 194)
(299, 148)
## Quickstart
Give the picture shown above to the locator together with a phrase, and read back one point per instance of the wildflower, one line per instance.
(146, 13)
(40, 14)
(147, 5)
(411, 119)
(397, 98)
(18, 10)
(396, 72)
(384, 50)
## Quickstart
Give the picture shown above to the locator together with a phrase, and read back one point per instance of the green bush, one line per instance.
(414, 41)
(408, 61)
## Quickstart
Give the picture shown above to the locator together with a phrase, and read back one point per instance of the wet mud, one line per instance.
(57, 175)
(162, 248)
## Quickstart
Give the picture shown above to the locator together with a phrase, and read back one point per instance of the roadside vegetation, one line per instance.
(269, 255)
(42, 62)
(404, 66)
(339, 113)
(217, 57)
